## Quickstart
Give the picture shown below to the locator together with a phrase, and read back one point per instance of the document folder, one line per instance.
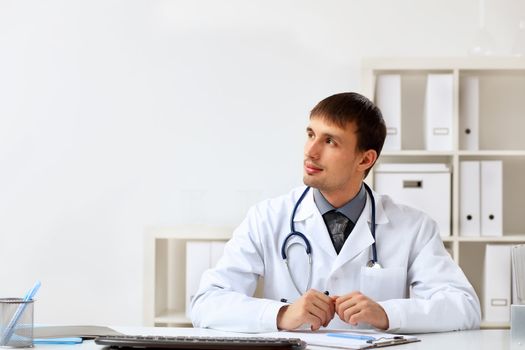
(469, 113)
(469, 198)
(518, 274)
(388, 99)
(497, 283)
(439, 102)
(491, 198)
(198, 260)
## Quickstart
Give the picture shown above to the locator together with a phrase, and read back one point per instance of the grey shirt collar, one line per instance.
(352, 209)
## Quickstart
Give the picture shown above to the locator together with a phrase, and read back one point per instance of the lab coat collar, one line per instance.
(359, 239)
(314, 227)
(381, 217)
(308, 208)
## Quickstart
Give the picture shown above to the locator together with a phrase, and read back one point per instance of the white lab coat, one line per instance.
(420, 287)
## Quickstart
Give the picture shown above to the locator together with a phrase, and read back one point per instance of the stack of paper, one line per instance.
(518, 274)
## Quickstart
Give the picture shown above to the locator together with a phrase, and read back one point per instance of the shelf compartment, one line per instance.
(413, 91)
(500, 98)
(165, 270)
(513, 192)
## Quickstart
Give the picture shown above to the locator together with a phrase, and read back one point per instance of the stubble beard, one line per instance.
(314, 183)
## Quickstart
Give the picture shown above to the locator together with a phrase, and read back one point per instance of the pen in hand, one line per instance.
(284, 300)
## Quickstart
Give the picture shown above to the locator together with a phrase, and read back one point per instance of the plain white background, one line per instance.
(121, 114)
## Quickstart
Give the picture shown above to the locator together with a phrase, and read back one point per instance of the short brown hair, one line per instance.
(347, 107)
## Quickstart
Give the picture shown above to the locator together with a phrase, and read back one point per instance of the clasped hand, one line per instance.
(317, 309)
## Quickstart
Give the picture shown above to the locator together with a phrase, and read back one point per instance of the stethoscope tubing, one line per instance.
(285, 247)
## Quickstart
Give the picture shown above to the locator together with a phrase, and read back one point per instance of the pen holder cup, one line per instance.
(16, 323)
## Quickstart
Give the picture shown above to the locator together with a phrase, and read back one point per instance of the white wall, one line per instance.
(120, 114)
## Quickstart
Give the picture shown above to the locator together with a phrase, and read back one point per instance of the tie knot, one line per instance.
(336, 217)
(339, 227)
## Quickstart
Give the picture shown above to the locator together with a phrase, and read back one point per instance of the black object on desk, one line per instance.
(200, 342)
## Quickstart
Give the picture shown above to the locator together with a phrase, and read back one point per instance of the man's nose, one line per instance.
(312, 149)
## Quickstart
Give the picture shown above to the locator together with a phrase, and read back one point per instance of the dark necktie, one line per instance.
(339, 227)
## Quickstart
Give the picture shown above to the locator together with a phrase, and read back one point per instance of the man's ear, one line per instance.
(368, 158)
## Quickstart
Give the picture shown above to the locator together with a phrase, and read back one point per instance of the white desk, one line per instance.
(492, 339)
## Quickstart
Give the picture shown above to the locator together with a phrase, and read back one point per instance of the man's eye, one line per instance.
(310, 135)
(330, 141)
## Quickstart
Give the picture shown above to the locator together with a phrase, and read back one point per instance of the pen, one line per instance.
(351, 336)
(8, 333)
(284, 300)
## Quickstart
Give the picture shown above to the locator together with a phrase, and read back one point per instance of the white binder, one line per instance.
(198, 260)
(469, 113)
(491, 198)
(518, 274)
(216, 251)
(497, 283)
(469, 198)
(439, 102)
(388, 99)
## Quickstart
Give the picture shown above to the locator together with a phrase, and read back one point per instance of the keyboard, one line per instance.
(200, 342)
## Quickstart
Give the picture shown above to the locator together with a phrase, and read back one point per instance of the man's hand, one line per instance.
(357, 308)
(313, 307)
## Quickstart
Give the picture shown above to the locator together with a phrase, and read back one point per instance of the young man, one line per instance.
(355, 258)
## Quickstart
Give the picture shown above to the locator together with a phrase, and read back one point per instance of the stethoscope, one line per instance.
(285, 247)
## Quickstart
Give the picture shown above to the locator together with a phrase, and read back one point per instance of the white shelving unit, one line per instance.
(165, 271)
(501, 137)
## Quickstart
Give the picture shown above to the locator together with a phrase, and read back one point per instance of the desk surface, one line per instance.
(488, 339)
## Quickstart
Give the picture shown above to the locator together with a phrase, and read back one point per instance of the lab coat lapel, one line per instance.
(309, 221)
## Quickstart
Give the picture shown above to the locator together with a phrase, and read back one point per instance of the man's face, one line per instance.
(331, 158)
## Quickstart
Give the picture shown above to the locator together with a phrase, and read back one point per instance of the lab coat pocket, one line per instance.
(383, 284)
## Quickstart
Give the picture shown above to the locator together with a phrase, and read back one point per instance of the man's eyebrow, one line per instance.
(327, 135)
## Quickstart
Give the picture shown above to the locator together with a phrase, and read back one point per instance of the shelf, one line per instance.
(417, 153)
(492, 325)
(489, 239)
(165, 270)
(498, 153)
(444, 63)
(172, 316)
(190, 232)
